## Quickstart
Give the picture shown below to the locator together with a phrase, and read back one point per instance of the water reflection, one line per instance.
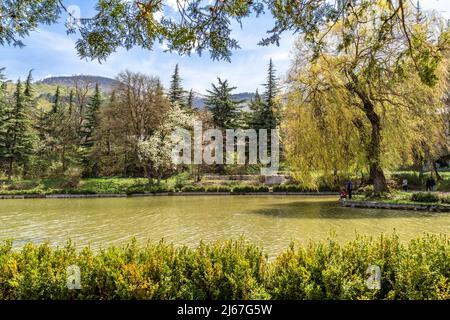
(270, 221)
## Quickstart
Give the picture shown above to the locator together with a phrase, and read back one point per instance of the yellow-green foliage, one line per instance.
(333, 96)
(231, 270)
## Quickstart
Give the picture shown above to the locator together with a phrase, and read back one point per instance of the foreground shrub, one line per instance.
(427, 197)
(231, 270)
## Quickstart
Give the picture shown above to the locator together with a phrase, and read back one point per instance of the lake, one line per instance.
(269, 221)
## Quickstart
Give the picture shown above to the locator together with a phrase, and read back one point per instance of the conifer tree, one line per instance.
(71, 101)
(28, 92)
(176, 91)
(16, 139)
(224, 109)
(190, 100)
(89, 127)
(257, 107)
(271, 110)
(56, 102)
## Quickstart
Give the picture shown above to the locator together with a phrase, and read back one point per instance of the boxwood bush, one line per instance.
(193, 189)
(288, 188)
(219, 189)
(428, 197)
(250, 189)
(233, 269)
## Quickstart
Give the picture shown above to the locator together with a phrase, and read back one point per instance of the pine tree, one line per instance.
(224, 109)
(56, 102)
(29, 92)
(90, 122)
(190, 100)
(271, 110)
(4, 108)
(16, 139)
(89, 127)
(71, 101)
(176, 91)
(257, 107)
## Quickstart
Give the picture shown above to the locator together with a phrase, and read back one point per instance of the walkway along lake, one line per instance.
(270, 221)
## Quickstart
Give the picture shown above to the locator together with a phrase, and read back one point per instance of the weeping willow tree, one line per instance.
(369, 97)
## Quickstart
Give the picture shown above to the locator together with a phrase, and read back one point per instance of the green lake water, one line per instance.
(269, 221)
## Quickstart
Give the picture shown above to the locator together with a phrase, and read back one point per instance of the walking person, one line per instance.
(349, 188)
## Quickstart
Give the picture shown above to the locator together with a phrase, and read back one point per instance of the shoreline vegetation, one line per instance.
(183, 185)
(232, 269)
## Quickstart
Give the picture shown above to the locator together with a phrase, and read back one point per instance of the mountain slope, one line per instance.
(106, 84)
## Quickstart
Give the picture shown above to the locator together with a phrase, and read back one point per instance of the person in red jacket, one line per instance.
(343, 194)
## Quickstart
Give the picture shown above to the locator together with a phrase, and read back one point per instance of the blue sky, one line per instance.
(50, 52)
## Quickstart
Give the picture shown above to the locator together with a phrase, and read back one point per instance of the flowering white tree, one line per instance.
(155, 151)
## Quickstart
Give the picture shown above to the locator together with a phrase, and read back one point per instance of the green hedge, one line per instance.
(231, 270)
(250, 189)
(219, 189)
(149, 189)
(427, 197)
(288, 188)
(193, 189)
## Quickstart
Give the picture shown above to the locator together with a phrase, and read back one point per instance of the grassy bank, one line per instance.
(135, 186)
(413, 198)
(184, 182)
(231, 270)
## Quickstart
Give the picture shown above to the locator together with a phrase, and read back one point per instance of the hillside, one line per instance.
(46, 87)
(106, 84)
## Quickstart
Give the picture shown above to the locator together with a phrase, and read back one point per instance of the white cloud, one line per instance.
(173, 4)
(158, 15)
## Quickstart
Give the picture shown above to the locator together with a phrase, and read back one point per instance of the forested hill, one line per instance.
(106, 85)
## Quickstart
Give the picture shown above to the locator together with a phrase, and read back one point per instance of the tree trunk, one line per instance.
(374, 151)
(10, 168)
(63, 159)
(436, 172)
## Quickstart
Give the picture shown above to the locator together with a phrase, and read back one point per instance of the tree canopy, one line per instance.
(367, 102)
(197, 26)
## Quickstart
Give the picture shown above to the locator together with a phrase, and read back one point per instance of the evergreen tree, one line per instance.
(3, 116)
(224, 109)
(270, 111)
(16, 139)
(50, 125)
(90, 122)
(89, 127)
(176, 91)
(190, 100)
(257, 107)
(71, 101)
(28, 92)
(56, 102)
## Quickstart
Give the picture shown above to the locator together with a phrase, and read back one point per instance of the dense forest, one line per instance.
(81, 130)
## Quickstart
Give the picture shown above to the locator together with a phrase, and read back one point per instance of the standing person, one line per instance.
(349, 188)
(428, 184)
(343, 193)
(432, 183)
(405, 185)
